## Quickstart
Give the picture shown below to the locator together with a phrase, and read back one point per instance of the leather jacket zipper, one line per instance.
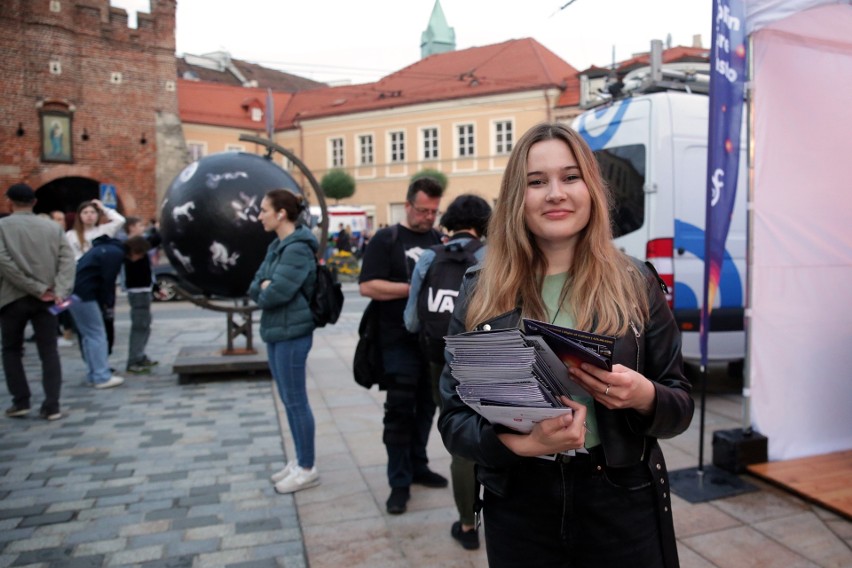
(637, 335)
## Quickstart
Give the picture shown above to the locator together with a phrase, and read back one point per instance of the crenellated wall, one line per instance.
(117, 85)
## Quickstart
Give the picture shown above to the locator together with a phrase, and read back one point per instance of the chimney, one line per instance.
(696, 40)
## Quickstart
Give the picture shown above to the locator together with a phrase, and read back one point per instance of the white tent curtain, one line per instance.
(800, 328)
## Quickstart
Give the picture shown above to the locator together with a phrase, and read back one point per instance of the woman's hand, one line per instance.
(551, 436)
(621, 388)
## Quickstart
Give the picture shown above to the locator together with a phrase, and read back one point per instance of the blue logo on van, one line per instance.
(691, 239)
(599, 141)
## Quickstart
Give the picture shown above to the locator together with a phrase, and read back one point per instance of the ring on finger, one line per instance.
(606, 392)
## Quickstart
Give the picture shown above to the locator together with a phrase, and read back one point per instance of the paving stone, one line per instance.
(48, 519)
(136, 556)
(173, 513)
(270, 524)
(49, 555)
(262, 563)
(198, 521)
(209, 489)
(7, 513)
(106, 492)
(35, 543)
(173, 561)
(101, 547)
(94, 561)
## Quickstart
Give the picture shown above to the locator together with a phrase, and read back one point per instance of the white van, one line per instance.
(652, 149)
(346, 215)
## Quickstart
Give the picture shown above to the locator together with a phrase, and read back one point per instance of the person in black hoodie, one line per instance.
(139, 282)
(97, 271)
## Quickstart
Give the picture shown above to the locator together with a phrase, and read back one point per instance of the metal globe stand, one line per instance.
(239, 315)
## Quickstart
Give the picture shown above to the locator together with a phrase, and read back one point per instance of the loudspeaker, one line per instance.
(734, 449)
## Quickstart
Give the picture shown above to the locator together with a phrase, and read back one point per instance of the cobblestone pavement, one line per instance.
(157, 473)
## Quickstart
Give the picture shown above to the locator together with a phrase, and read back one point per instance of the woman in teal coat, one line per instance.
(281, 288)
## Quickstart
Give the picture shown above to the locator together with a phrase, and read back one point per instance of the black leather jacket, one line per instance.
(627, 438)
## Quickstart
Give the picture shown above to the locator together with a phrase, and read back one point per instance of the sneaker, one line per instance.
(299, 478)
(396, 503)
(62, 342)
(16, 411)
(288, 469)
(50, 415)
(139, 370)
(468, 539)
(148, 363)
(113, 381)
(429, 478)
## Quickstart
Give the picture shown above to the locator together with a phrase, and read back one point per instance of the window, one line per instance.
(430, 143)
(503, 138)
(197, 150)
(256, 114)
(464, 133)
(365, 145)
(397, 146)
(336, 152)
(623, 169)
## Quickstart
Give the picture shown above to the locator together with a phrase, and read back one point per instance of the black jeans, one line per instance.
(575, 514)
(409, 411)
(13, 322)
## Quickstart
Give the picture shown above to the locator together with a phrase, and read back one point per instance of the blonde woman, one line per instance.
(551, 257)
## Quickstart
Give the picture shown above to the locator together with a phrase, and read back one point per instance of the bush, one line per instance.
(337, 184)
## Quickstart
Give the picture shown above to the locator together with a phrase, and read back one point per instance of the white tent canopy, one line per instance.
(800, 324)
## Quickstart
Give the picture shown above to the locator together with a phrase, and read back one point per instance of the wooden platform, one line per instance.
(200, 361)
(825, 479)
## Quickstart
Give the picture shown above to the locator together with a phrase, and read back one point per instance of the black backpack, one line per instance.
(438, 293)
(327, 301)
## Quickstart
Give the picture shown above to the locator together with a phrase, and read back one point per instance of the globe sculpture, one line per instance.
(209, 220)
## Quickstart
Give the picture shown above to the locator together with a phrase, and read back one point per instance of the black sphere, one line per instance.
(209, 220)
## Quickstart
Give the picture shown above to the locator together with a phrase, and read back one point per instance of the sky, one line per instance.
(341, 41)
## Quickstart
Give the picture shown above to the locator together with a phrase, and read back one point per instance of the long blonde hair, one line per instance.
(80, 229)
(606, 291)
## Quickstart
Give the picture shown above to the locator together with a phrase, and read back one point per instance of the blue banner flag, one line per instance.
(727, 82)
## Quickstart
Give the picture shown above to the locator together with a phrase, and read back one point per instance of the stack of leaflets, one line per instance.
(515, 378)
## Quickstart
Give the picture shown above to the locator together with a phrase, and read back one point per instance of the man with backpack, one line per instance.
(435, 284)
(409, 408)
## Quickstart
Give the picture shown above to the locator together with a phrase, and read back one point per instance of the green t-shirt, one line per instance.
(551, 288)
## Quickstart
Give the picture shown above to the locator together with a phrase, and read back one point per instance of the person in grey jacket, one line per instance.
(281, 288)
(36, 272)
(551, 258)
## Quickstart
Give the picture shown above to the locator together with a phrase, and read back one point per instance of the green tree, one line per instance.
(337, 184)
(438, 176)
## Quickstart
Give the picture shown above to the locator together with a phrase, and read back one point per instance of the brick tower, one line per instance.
(89, 101)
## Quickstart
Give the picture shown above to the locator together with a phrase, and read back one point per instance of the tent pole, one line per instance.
(749, 92)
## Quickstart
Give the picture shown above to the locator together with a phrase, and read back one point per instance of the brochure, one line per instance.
(57, 309)
(573, 346)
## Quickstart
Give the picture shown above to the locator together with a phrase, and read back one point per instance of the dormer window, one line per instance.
(256, 114)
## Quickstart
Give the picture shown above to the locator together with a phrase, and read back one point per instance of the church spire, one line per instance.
(438, 37)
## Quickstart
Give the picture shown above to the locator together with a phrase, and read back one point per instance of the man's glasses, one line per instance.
(424, 210)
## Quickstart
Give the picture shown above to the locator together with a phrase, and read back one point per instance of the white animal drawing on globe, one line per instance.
(221, 257)
(184, 260)
(214, 179)
(183, 211)
(246, 207)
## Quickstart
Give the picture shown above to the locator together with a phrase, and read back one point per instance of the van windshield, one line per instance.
(623, 169)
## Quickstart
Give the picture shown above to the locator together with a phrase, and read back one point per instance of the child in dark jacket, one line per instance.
(139, 283)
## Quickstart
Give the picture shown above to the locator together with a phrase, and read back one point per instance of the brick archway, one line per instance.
(63, 188)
